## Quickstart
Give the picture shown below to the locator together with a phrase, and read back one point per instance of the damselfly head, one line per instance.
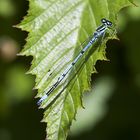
(106, 22)
(109, 23)
(103, 20)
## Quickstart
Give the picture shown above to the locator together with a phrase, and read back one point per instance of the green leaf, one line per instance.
(56, 28)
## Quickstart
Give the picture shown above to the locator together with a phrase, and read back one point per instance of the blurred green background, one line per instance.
(113, 106)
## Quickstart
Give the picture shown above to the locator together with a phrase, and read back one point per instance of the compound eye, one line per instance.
(109, 23)
(103, 20)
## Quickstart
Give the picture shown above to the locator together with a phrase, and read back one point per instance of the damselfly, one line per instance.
(100, 32)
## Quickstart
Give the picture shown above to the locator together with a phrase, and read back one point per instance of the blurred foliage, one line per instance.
(7, 8)
(19, 116)
(95, 105)
(15, 87)
(131, 39)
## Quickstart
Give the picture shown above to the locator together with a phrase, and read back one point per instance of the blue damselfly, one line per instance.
(100, 32)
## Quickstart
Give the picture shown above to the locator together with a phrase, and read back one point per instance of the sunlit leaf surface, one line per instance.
(56, 29)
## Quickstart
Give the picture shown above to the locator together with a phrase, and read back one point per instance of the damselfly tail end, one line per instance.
(42, 99)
